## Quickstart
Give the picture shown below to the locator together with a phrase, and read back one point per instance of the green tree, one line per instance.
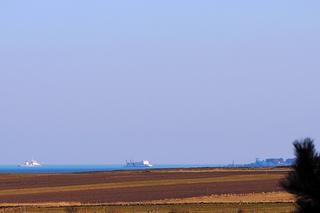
(304, 179)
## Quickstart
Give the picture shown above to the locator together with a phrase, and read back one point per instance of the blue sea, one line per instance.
(87, 168)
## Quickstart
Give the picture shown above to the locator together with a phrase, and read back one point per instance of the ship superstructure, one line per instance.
(31, 163)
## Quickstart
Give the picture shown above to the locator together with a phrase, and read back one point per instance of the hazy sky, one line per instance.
(172, 81)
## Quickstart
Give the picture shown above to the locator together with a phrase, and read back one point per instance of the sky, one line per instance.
(179, 82)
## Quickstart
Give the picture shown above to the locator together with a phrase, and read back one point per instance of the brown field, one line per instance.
(170, 186)
(160, 208)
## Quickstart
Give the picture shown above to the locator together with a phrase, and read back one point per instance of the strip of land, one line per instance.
(261, 197)
(158, 186)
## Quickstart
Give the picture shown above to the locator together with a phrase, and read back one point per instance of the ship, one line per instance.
(138, 164)
(31, 163)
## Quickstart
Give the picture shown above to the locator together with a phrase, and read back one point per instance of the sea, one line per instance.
(91, 168)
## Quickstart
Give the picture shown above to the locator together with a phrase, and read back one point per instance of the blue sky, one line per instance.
(169, 81)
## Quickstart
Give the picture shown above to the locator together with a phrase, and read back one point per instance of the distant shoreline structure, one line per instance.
(269, 162)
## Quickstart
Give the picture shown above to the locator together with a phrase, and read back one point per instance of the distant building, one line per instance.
(275, 161)
(272, 162)
(290, 161)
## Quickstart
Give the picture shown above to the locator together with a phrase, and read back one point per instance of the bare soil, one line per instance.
(134, 194)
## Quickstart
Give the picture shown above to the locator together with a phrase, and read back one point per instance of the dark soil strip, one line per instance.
(148, 193)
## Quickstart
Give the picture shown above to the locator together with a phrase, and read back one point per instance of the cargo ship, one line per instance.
(30, 163)
(138, 164)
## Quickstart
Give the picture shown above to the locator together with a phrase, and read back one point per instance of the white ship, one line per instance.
(138, 164)
(31, 163)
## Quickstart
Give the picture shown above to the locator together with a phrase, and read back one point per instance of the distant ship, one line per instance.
(31, 163)
(138, 164)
